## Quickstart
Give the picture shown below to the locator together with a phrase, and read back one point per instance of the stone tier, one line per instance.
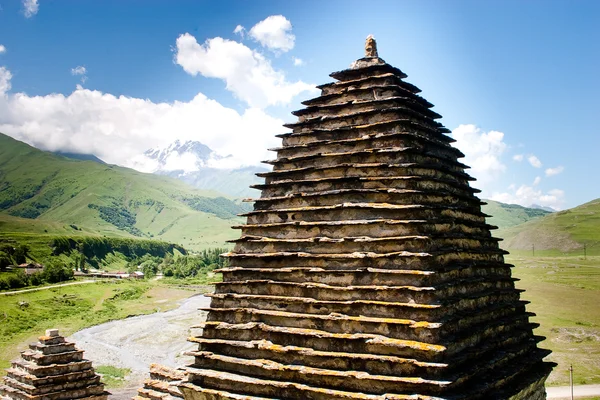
(52, 369)
(366, 269)
(162, 384)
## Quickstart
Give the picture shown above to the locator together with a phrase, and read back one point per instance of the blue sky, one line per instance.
(517, 81)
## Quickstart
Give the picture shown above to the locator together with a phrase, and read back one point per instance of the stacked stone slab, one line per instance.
(162, 384)
(366, 269)
(52, 369)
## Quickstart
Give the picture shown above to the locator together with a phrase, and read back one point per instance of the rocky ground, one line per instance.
(137, 342)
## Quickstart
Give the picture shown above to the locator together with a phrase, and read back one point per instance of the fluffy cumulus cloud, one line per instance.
(483, 151)
(529, 195)
(2, 49)
(518, 157)
(274, 33)
(119, 129)
(247, 73)
(537, 181)
(534, 161)
(297, 61)
(554, 171)
(30, 8)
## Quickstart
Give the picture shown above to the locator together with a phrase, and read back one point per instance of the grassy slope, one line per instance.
(60, 190)
(557, 233)
(507, 215)
(564, 293)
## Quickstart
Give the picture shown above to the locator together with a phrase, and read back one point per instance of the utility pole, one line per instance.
(533, 250)
(571, 379)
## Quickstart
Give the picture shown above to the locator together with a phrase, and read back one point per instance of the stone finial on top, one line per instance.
(371, 47)
(52, 332)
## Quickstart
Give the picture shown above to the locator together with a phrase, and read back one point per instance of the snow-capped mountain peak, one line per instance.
(182, 157)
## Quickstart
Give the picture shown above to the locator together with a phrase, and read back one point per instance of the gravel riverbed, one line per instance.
(137, 342)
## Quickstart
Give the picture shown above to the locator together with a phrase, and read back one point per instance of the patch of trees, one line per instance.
(158, 206)
(13, 195)
(194, 265)
(53, 272)
(118, 216)
(12, 254)
(181, 266)
(95, 249)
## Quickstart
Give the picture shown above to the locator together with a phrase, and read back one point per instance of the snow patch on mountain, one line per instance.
(200, 166)
(180, 157)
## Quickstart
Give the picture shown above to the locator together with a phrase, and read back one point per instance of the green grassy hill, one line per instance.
(560, 232)
(41, 192)
(507, 215)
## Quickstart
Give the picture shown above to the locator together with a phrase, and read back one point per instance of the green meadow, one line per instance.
(564, 292)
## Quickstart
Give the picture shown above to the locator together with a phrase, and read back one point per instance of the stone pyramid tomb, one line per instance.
(52, 369)
(366, 269)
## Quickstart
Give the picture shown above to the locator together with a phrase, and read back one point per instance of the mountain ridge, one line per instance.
(110, 200)
(566, 231)
(196, 164)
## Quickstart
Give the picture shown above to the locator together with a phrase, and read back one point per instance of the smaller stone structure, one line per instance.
(162, 384)
(52, 369)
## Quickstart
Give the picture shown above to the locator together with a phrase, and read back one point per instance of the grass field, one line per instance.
(76, 307)
(565, 294)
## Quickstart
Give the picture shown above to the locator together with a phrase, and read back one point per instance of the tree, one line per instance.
(5, 260)
(56, 271)
(21, 252)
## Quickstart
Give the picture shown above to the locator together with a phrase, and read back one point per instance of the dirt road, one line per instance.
(137, 342)
(564, 392)
(46, 287)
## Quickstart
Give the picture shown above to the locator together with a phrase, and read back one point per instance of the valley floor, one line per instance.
(134, 343)
(564, 293)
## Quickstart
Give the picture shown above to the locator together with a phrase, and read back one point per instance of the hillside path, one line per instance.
(46, 287)
(580, 391)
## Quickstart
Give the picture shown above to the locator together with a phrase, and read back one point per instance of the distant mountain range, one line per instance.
(193, 163)
(45, 192)
(92, 198)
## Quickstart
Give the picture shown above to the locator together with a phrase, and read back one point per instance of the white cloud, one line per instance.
(79, 70)
(297, 61)
(554, 171)
(247, 73)
(2, 49)
(537, 181)
(528, 196)
(274, 32)
(482, 150)
(119, 129)
(5, 77)
(534, 161)
(518, 157)
(240, 30)
(30, 8)
(185, 162)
